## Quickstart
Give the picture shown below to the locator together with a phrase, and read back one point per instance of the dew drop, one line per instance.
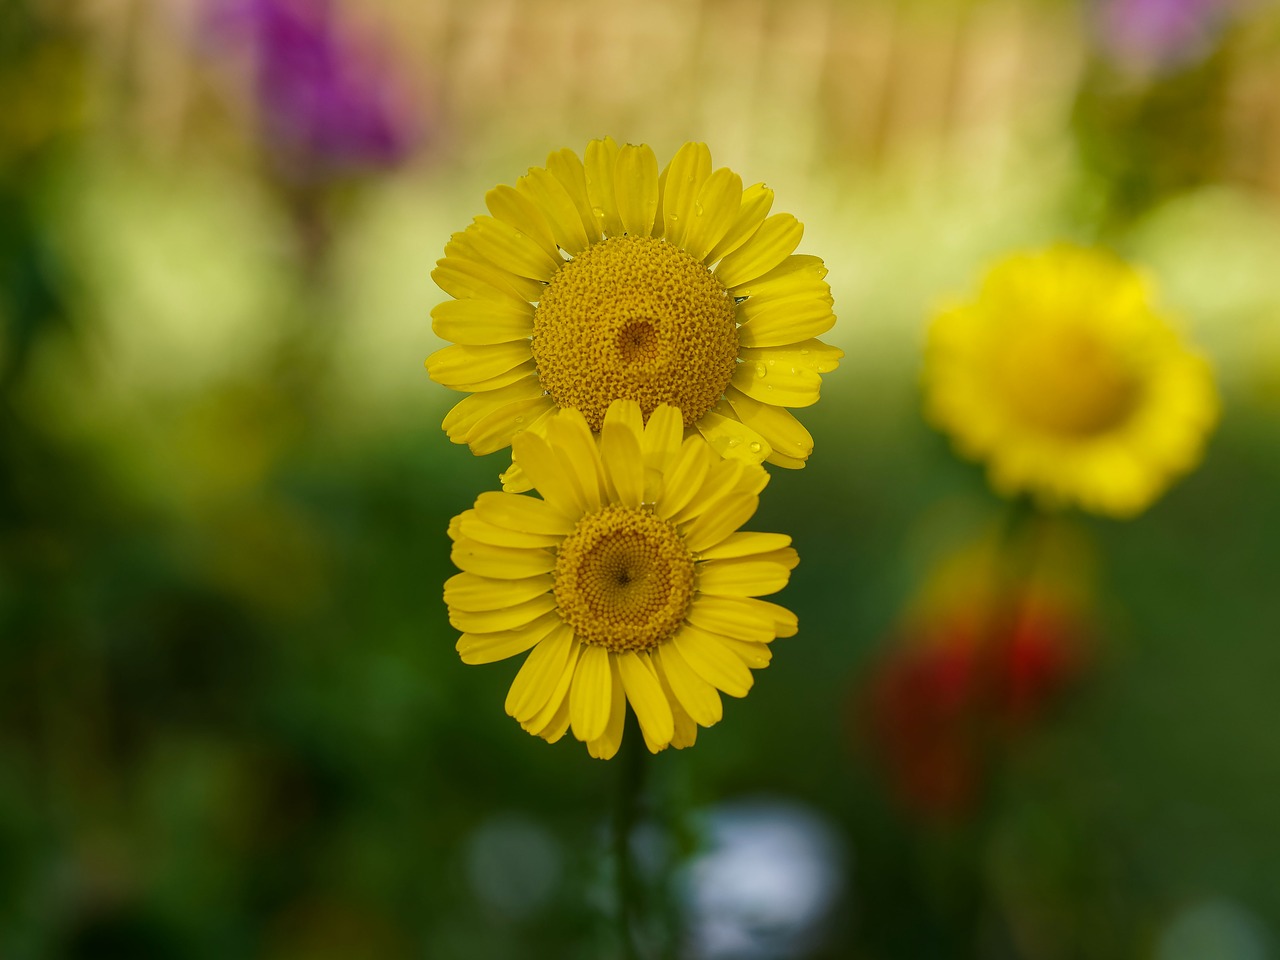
(772, 362)
(734, 441)
(804, 353)
(761, 370)
(697, 209)
(754, 445)
(519, 419)
(597, 212)
(768, 386)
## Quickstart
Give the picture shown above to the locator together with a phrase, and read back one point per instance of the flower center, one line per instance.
(1068, 381)
(635, 318)
(624, 579)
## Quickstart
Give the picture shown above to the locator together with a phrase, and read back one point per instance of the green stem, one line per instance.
(630, 786)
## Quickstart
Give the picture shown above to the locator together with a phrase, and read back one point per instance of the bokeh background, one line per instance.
(232, 722)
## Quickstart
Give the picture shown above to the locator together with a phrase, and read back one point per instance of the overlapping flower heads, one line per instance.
(637, 338)
(1062, 376)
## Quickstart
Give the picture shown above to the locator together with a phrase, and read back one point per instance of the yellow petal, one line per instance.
(635, 181)
(713, 526)
(477, 322)
(699, 698)
(798, 274)
(544, 470)
(506, 247)
(787, 322)
(473, 525)
(778, 382)
(541, 671)
(712, 660)
(607, 744)
(784, 432)
(469, 591)
(754, 207)
(781, 460)
(685, 479)
(731, 438)
(499, 428)
(722, 480)
(663, 435)
(620, 449)
(784, 621)
(755, 655)
(500, 563)
(566, 167)
(528, 514)
(744, 544)
(518, 210)
(602, 157)
(461, 363)
(689, 168)
(575, 446)
(552, 720)
(469, 411)
(646, 698)
(590, 695)
(714, 212)
(491, 646)
(466, 279)
(731, 617)
(777, 237)
(747, 577)
(685, 730)
(551, 198)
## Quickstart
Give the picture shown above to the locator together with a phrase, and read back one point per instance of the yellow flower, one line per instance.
(1062, 376)
(627, 581)
(607, 280)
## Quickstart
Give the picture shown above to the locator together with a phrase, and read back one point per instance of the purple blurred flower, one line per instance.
(327, 106)
(1160, 34)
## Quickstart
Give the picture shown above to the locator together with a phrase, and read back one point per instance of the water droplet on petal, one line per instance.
(734, 441)
(519, 419)
(761, 370)
(754, 445)
(598, 213)
(804, 353)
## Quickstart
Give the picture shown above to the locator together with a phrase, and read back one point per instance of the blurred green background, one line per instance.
(232, 722)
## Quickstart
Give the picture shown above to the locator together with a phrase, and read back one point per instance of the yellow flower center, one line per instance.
(624, 579)
(1067, 380)
(639, 319)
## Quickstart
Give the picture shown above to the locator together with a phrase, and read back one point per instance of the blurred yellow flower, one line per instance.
(627, 582)
(605, 280)
(1062, 376)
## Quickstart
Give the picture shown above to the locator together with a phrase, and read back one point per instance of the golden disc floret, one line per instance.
(623, 579)
(635, 318)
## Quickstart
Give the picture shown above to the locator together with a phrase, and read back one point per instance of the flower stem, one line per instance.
(630, 786)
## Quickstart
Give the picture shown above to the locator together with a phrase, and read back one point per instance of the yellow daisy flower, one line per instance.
(1065, 379)
(606, 280)
(626, 582)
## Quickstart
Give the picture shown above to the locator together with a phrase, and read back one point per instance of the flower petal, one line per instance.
(685, 479)
(620, 448)
(590, 696)
(506, 247)
(699, 698)
(712, 660)
(744, 544)
(500, 563)
(688, 169)
(798, 274)
(461, 364)
(512, 617)
(575, 445)
(566, 167)
(746, 577)
(469, 591)
(503, 425)
(784, 432)
(787, 322)
(731, 438)
(546, 473)
(714, 212)
(685, 729)
(490, 647)
(468, 279)
(606, 745)
(602, 157)
(714, 525)
(778, 382)
(477, 322)
(731, 617)
(646, 697)
(470, 411)
(776, 239)
(538, 677)
(528, 514)
(635, 181)
(756, 202)
(552, 720)
(555, 204)
(519, 211)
